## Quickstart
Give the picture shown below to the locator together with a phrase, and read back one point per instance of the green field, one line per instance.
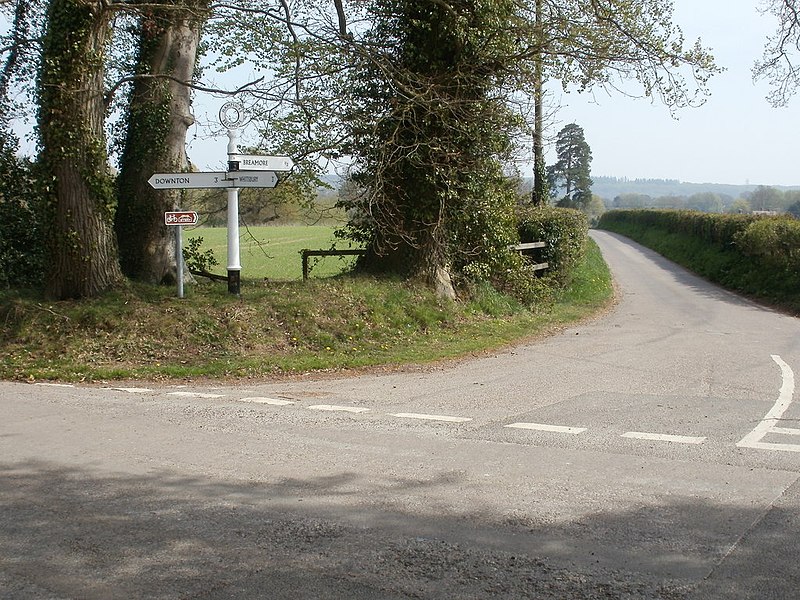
(273, 252)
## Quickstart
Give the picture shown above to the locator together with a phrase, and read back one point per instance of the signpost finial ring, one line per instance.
(232, 115)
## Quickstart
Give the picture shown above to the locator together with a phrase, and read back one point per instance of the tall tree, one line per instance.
(779, 65)
(12, 46)
(540, 192)
(20, 49)
(610, 43)
(765, 197)
(158, 117)
(572, 171)
(83, 257)
(427, 132)
(20, 217)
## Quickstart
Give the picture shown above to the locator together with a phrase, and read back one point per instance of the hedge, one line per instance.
(565, 231)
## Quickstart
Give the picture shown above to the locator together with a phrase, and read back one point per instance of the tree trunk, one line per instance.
(159, 117)
(83, 259)
(424, 258)
(540, 192)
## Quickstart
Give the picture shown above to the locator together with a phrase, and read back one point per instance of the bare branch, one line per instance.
(778, 64)
(247, 86)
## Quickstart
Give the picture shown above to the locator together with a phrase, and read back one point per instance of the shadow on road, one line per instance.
(69, 533)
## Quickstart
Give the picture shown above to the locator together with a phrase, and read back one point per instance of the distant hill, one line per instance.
(611, 187)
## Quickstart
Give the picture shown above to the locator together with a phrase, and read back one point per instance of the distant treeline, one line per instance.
(743, 199)
(671, 193)
(637, 181)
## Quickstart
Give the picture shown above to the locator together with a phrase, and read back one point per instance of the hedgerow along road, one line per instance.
(650, 453)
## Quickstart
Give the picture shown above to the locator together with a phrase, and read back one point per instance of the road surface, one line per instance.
(651, 453)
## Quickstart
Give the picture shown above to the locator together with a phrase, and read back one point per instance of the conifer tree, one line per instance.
(570, 177)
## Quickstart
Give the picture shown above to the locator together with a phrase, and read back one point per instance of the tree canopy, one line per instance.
(429, 102)
(779, 65)
(570, 177)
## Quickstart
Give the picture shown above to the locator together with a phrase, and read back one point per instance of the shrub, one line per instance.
(21, 235)
(198, 261)
(775, 241)
(515, 279)
(565, 231)
(711, 228)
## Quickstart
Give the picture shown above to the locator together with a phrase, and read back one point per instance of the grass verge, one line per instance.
(275, 328)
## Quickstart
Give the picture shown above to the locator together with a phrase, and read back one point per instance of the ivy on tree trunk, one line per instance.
(428, 134)
(159, 117)
(83, 260)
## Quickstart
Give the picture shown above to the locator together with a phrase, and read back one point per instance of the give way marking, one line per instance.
(769, 422)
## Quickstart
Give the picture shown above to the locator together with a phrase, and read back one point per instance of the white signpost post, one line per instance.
(232, 116)
(244, 171)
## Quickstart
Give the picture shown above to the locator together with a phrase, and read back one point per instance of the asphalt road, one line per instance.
(650, 453)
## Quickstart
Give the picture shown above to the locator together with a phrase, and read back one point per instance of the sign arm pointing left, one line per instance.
(171, 181)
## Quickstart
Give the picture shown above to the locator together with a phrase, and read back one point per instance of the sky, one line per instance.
(736, 137)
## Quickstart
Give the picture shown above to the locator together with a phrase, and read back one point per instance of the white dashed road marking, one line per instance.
(769, 422)
(551, 428)
(196, 395)
(334, 408)
(425, 417)
(663, 437)
(271, 401)
(64, 385)
(767, 426)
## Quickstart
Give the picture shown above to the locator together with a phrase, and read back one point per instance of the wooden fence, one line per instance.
(527, 247)
(306, 253)
(521, 248)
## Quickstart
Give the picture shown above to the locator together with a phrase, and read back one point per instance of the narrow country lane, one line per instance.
(650, 453)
